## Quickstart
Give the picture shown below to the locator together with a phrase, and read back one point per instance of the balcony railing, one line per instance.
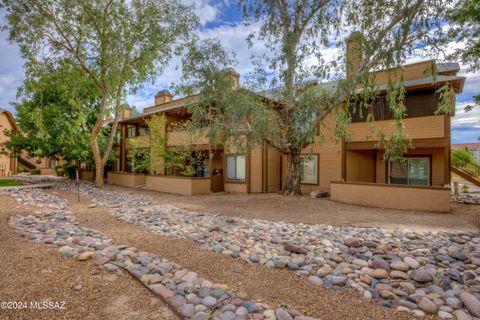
(415, 128)
(185, 138)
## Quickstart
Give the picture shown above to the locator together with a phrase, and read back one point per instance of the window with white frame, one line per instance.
(309, 169)
(410, 171)
(236, 167)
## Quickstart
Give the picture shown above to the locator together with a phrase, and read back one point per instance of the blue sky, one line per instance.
(221, 20)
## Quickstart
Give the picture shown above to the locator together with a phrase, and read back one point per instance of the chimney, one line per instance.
(354, 54)
(234, 77)
(125, 111)
(162, 97)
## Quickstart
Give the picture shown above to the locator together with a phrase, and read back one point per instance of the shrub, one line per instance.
(69, 170)
(460, 158)
(59, 170)
(35, 171)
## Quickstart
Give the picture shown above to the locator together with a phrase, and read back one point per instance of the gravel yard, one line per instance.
(34, 272)
(317, 270)
(306, 210)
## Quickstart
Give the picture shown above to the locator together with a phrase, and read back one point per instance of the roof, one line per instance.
(273, 95)
(10, 118)
(469, 146)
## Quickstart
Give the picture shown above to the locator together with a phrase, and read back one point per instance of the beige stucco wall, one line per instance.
(330, 156)
(435, 199)
(5, 161)
(235, 187)
(178, 185)
(126, 179)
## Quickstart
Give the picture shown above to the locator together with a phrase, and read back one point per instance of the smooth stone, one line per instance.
(315, 280)
(282, 315)
(421, 275)
(379, 274)
(461, 315)
(201, 316)
(444, 315)
(399, 265)
(412, 263)
(379, 263)
(187, 310)
(472, 304)
(427, 305)
(209, 301)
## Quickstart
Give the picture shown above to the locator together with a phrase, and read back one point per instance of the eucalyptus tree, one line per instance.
(464, 19)
(118, 44)
(285, 102)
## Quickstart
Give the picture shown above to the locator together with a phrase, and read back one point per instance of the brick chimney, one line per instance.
(234, 76)
(162, 97)
(125, 111)
(354, 54)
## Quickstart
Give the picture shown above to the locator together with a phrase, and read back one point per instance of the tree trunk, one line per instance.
(292, 185)
(99, 167)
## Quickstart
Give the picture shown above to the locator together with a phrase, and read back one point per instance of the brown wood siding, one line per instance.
(256, 161)
(330, 156)
(415, 128)
(360, 166)
(274, 169)
(409, 72)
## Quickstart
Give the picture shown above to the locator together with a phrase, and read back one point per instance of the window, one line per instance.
(410, 171)
(236, 167)
(142, 131)
(118, 137)
(131, 131)
(309, 169)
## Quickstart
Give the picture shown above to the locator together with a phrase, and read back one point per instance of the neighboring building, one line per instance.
(348, 170)
(8, 164)
(473, 148)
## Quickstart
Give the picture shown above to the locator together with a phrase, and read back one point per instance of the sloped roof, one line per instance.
(469, 146)
(10, 118)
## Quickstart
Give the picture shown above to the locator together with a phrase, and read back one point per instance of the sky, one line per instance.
(221, 20)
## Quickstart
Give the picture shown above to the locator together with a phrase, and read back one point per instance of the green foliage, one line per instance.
(35, 171)
(461, 157)
(70, 170)
(288, 75)
(59, 170)
(56, 113)
(138, 158)
(9, 183)
(177, 161)
(465, 188)
(117, 44)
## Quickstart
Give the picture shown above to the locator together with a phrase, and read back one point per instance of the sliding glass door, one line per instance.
(410, 171)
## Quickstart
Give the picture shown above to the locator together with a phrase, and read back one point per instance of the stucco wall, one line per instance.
(126, 179)
(178, 185)
(435, 199)
(5, 162)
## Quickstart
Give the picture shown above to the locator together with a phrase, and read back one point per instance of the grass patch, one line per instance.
(9, 183)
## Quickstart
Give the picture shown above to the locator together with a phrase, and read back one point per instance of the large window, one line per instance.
(411, 171)
(142, 131)
(236, 167)
(309, 169)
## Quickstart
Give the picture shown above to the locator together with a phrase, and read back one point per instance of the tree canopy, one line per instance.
(117, 44)
(295, 83)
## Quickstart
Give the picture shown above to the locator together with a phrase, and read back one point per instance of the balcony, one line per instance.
(428, 127)
(185, 138)
(138, 142)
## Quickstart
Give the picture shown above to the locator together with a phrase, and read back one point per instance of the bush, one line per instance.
(460, 158)
(59, 170)
(69, 170)
(35, 171)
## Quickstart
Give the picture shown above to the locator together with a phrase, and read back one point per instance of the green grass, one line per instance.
(9, 183)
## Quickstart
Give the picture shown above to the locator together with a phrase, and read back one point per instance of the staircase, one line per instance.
(27, 164)
(469, 172)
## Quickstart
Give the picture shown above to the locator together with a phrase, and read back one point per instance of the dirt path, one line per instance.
(274, 286)
(306, 210)
(33, 272)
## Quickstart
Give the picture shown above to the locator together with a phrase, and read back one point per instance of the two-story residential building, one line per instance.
(8, 164)
(352, 171)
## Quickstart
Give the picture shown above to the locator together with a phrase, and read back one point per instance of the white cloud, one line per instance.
(204, 9)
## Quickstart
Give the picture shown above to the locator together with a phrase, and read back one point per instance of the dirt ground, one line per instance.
(274, 286)
(323, 210)
(34, 272)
